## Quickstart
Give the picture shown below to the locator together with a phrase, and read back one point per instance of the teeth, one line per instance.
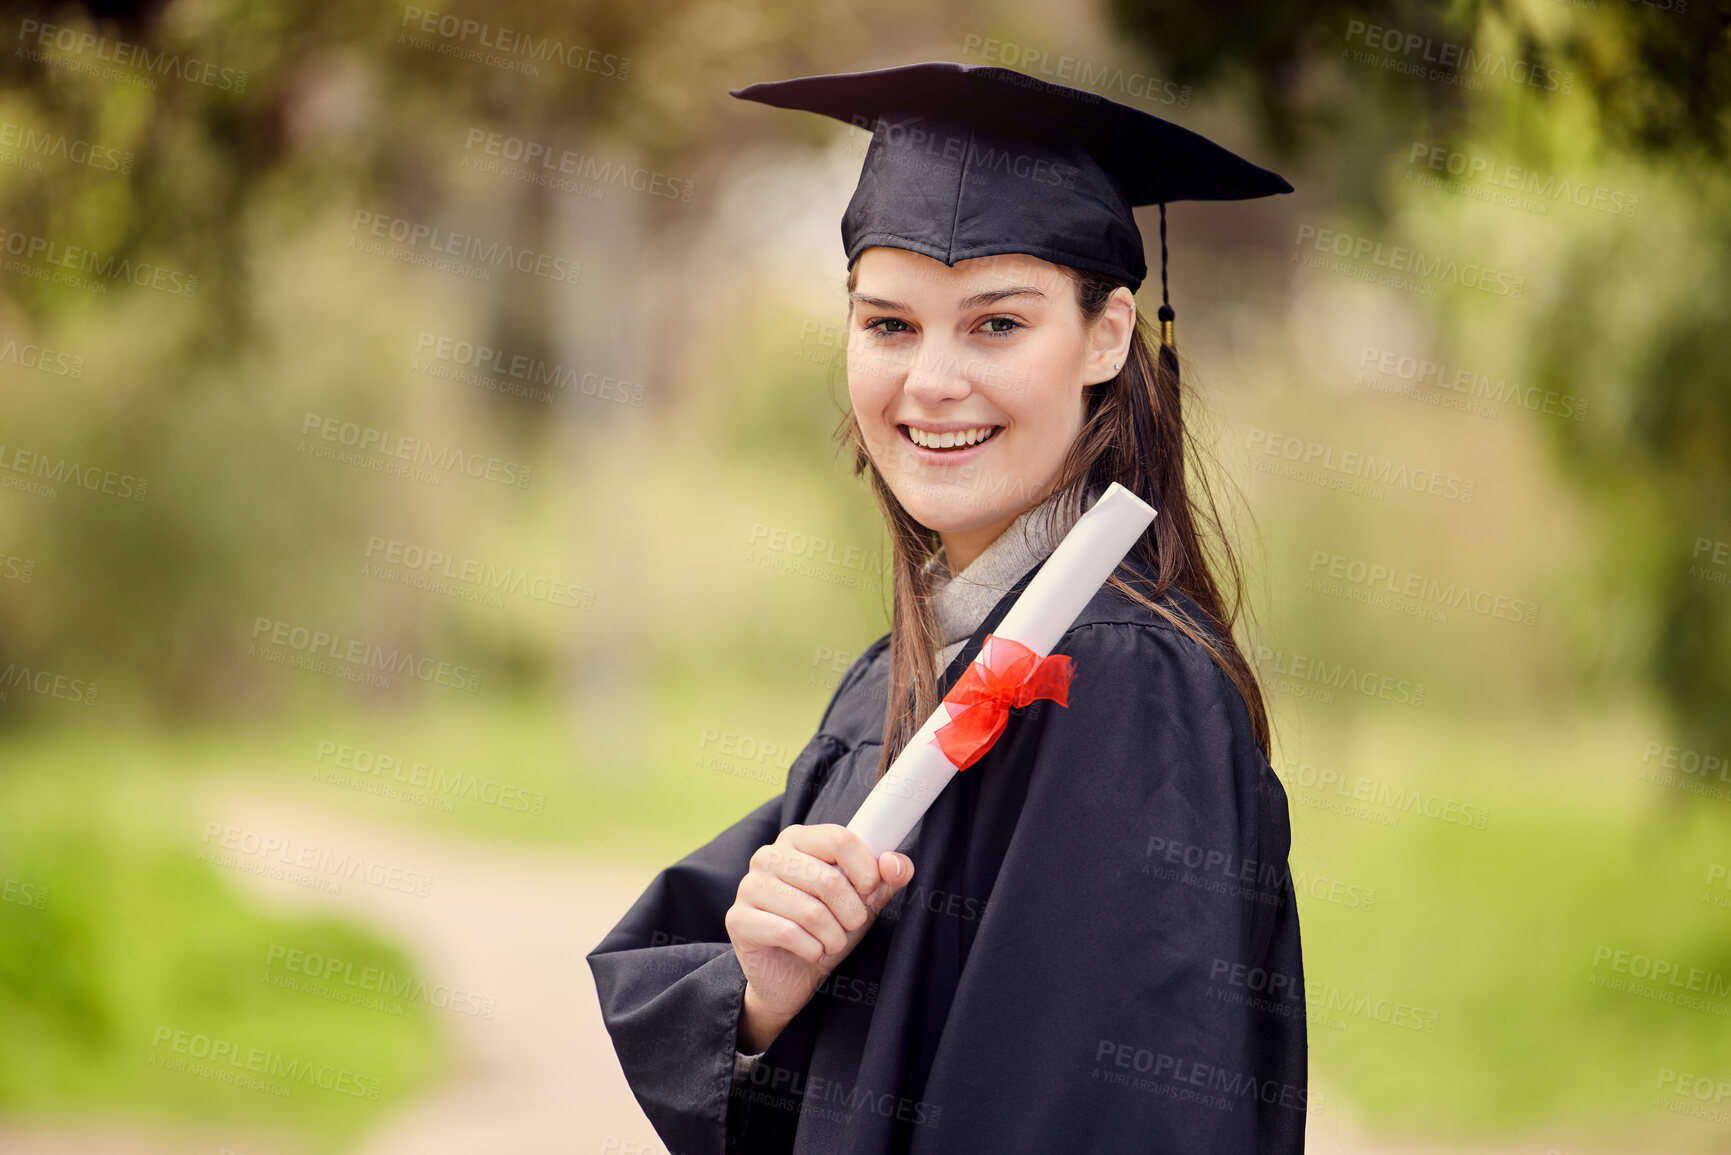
(949, 440)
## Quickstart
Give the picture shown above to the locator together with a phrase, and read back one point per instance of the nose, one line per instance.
(938, 374)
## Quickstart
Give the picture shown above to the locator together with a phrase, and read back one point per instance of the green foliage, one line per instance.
(244, 190)
(1658, 72)
(1625, 308)
(123, 953)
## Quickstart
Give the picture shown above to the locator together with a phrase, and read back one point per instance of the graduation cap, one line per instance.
(971, 160)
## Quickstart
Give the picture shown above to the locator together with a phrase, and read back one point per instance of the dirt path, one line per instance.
(540, 1078)
(511, 925)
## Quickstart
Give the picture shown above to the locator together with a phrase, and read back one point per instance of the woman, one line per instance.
(1089, 942)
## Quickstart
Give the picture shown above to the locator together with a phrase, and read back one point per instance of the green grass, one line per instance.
(1494, 931)
(136, 934)
(1499, 931)
(123, 955)
(517, 771)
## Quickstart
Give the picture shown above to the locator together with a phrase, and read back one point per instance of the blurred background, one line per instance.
(420, 523)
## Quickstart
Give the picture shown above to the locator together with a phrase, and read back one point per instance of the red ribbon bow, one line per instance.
(980, 701)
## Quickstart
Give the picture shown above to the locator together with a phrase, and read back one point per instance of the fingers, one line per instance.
(748, 924)
(808, 910)
(839, 845)
(897, 870)
(815, 875)
(807, 880)
(794, 876)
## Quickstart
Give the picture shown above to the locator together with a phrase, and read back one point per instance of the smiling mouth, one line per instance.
(957, 442)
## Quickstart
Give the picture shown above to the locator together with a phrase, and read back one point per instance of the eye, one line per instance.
(1009, 321)
(876, 326)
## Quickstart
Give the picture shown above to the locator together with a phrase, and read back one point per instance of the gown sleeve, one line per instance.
(670, 985)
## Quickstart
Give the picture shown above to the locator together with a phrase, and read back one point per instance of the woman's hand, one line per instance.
(806, 902)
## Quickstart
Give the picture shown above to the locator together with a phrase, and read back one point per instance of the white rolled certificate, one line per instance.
(1074, 572)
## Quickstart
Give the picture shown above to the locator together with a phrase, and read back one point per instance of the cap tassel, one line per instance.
(1168, 345)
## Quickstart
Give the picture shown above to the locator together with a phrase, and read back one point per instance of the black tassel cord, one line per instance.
(1168, 346)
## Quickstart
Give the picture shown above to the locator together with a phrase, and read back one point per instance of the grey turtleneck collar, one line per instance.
(962, 601)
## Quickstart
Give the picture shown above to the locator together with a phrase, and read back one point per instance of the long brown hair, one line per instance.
(1133, 433)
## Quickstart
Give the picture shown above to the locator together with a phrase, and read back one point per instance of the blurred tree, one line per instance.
(1659, 70)
(242, 132)
(1644, 341)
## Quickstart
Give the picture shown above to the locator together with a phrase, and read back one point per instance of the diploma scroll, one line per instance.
(1074, 572)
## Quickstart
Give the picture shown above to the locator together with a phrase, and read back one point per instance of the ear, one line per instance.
(1109, 338)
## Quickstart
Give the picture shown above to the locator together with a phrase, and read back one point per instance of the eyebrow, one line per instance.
(988, 297)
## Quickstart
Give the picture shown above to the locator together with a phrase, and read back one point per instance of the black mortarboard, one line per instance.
(972, 160)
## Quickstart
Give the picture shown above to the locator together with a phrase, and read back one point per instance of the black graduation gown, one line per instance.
(1099, 950)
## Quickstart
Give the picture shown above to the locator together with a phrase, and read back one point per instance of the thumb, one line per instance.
(895, 871)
